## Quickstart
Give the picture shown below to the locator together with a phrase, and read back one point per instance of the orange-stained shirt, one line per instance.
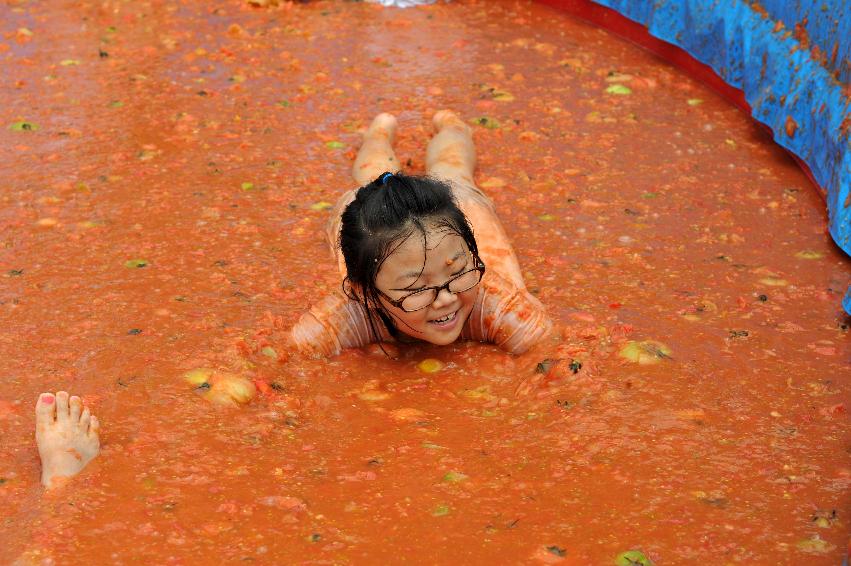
(504, 312)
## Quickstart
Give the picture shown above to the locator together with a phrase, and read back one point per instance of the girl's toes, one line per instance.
(62, 407)
(94, 426)
(85, 419)
(75, 406)
(45, 409)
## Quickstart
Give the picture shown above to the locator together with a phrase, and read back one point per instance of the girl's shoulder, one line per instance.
(495, 284)
(507, 315)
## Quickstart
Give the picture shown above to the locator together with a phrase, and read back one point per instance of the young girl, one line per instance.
(422, 259)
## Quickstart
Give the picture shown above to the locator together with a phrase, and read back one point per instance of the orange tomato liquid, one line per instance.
(205, 138)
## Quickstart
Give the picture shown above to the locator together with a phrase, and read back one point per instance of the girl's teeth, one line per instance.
(446, 318)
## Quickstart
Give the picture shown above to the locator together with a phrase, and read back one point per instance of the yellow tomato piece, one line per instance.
(492, 183)
(198, 376)
(430, 365)
(645, 352)
(809, 254)
(222, 388)
(237, 388)
(321, 205)
(503, 96)
(481, 393)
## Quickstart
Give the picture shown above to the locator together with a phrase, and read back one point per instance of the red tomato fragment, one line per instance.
(263, 387)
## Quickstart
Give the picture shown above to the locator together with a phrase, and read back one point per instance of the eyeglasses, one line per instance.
(421, 299)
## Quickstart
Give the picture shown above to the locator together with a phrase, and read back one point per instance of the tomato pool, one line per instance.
(167, 170)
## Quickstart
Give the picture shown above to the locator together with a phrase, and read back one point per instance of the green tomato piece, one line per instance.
(617, 89)
(632, 558)
(441, 510)
(136, 263)
(455, 477)
(23, 127)
(487, 122)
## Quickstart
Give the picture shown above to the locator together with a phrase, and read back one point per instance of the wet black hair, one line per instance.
(383, 215)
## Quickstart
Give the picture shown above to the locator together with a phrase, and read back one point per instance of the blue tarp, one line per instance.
(828, 27)
(786, 81)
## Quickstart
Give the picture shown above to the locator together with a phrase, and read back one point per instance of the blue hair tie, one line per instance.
(385, 177)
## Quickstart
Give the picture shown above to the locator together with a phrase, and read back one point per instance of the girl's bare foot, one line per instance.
(383, 125)
(66, 434)
(447, 118)
(376, 154)
(451, 154)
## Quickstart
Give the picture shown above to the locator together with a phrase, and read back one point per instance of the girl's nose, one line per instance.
(444, 297)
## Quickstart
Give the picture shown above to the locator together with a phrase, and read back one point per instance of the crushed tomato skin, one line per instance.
(198, 151)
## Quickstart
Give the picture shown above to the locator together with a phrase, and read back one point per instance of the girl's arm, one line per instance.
(330, 326)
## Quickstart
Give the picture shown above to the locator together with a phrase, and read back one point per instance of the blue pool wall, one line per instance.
(792, 61)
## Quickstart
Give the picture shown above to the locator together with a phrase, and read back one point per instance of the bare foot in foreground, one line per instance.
(66, 435)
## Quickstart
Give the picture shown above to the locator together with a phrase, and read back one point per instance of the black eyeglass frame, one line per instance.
(480, 267)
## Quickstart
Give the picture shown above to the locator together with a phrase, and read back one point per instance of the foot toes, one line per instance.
(85, 419)
(75, 408)
(45, 409)
(94, 426)
(62, 406)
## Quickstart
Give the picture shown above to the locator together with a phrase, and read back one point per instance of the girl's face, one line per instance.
(413, 266)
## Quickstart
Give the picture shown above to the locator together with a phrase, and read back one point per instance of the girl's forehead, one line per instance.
(435, 245)
(417, 255)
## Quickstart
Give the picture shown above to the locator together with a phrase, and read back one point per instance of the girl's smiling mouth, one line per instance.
(446, 321)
